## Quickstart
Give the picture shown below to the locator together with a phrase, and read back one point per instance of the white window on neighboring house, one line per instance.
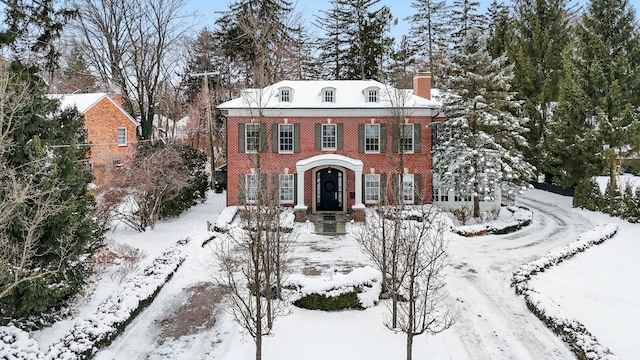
(286, 94)
(371, 188)
(371, 95)
(285, 138)
(122, 136)
(440, 194)
(406, 138)
(329, 95)
(251, 188)
(252, 137)
(459, 196)
(407, 188)
(329, 136)
(286, 188)
(372, 138)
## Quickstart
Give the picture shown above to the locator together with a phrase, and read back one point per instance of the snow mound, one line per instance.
(520, 218)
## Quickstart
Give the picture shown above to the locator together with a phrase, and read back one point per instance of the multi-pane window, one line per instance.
(406, 138)
(407, 188)
(372, 138)
(285, 95)
(251, 187)
(440, 194)
(122, 136)
(462, 197)
(372, 95)
(329, 136)
(252, 138)
(285, 138)
(329, 95)
(286, 188)
(372, 188)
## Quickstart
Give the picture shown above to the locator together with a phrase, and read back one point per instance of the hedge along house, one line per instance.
(111, 131)
(331, 146)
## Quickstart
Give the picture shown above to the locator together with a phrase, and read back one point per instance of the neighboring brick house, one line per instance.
(331, 146)
(111, 131)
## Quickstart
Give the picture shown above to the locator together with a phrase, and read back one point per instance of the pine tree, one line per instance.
(598, 113)
(481, 149)
(430, 30)
(464, 18)
(499, 25)
(541, 32)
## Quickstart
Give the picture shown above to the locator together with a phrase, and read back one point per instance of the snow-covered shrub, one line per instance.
(118, 310)
(583, 344)
(224, 220)
(358, 289)
(17, 344)
(626, 205)
(520, 217)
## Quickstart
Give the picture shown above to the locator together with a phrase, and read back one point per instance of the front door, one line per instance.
(329, 190)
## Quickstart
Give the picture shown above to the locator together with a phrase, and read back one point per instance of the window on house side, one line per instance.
(251, 187)
(329, 96)
(406, 138)
(372, 138)
(371, 188)
(407, 188)
(252, 137)
(462, 197)
(122, 136)
(329, 135)
(440, 194)
(286, 188)
(285, 138)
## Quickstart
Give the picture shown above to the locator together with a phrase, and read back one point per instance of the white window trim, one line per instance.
(246, 139)
(280, 150)
(325, 94)
(365, 140)
(125, 136)
(372, 95)
(289, 94)
(292, 183)
(335, 137)
(376, 177)
(413, 140)
(247, 182)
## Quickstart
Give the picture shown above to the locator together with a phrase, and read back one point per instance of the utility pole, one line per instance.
(205, 76)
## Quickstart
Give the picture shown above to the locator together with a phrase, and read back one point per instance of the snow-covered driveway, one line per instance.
(494, 322)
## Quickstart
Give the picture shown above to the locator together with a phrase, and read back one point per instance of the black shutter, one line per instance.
(383, 138)
(395, 138)
(275, 186)
(263, 138)
(383, 188)
(242, 199)
(395, 188)
(340, 132)
(241, 135)
(417, 144)
(296, 138)
(318, 136)
(274, 138)
(361, 138)
(295, 188)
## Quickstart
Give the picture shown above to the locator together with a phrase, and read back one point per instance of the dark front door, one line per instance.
(329, 190)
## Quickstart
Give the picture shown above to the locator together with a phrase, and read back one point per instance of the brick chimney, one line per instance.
(422, 84)
(116, 97)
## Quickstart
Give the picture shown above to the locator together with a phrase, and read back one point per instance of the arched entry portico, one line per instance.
(329, 165)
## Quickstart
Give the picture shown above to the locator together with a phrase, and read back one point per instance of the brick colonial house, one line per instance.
(111, 131)
(331, 146)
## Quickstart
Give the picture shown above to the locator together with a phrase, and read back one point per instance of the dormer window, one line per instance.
(371, 95)
(329, 95)
(286, 94)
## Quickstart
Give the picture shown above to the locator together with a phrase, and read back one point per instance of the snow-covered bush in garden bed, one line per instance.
(581, 342)
(520, 217)
(227, 218)
(364, 281)
(18, 344)
(224, 220)
(118, 310)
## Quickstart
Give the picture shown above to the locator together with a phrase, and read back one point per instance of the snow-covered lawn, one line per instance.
(600, 287)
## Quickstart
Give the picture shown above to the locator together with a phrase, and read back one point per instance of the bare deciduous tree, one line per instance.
(135, 194)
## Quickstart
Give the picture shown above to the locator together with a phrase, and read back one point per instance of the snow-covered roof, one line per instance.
(309, 94)
(84, 102)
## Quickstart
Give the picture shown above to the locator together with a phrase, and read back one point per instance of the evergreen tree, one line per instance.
(464, 18)
(430, 30)
(478, 146)
(356, 39)
(598, 114)
(499, 25)
(541, 32)
(45, 151)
